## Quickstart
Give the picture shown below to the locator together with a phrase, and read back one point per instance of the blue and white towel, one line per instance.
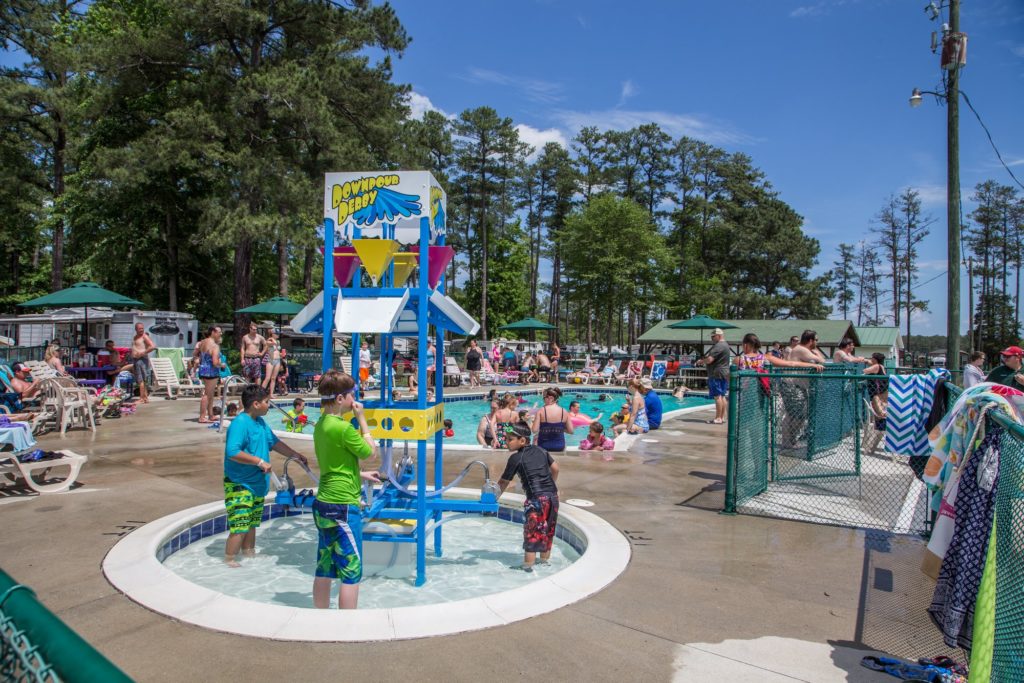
(910, 402)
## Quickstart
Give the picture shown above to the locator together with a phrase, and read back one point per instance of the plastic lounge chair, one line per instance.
(658, 370)
(15, 469)
(872, 436)
(71, 403)
(606, 375)
(165, 377)
(634, 370)
(487, 373)
(452, 370)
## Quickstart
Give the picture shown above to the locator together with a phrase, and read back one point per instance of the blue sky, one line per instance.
(815, 92)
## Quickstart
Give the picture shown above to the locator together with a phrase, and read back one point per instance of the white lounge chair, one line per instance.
(14, 469)
(165, 378)
(452, 369)
(70, 402)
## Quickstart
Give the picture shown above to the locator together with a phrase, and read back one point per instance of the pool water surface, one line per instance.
(465, 414)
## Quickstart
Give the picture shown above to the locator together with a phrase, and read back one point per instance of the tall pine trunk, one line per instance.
(282, 266)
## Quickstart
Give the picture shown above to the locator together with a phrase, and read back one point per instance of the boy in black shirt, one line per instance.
(537, 471)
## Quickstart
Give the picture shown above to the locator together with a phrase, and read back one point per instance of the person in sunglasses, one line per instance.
(537, 471)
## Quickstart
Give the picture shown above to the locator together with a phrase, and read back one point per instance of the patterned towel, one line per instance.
(910, 402)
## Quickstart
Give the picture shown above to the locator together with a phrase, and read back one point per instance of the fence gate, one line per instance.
(806, 446)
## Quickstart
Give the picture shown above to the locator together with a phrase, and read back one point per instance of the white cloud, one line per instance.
(628, 90)
(930, 194)
(421, 104)
(808, 11)
(538, 138)
(691, 125)
(532, 88)
(1017, 50)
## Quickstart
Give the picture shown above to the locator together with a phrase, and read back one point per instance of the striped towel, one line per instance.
(910, 402)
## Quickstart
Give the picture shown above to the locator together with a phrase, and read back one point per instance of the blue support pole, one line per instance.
(421, 403)
(327, 326)
(439, 436)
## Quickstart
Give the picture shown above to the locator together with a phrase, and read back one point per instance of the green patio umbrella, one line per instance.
(83, 294)
(701, 322)
(528, 325)
(279, 306)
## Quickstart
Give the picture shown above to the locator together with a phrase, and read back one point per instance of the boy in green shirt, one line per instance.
(297, 419)
(339, 448)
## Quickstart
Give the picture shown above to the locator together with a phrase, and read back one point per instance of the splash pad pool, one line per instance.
(142, 567)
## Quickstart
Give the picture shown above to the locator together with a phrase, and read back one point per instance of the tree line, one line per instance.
(874, 280)
(175, 151)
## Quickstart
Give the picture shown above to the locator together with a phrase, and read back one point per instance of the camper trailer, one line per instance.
(64, 325)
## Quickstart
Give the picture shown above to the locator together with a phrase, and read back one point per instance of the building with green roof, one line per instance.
(884, 340)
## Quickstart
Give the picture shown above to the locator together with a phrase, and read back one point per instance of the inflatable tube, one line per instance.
(580, 420)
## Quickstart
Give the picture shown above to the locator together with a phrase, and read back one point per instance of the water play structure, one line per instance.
(384, 227)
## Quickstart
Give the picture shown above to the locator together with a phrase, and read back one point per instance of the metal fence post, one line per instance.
(731, 451)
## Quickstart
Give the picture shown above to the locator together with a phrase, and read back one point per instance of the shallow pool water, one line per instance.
(465, 414)
(477, 554)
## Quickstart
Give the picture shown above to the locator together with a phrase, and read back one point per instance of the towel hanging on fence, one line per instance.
(952, 607)
(910, 402)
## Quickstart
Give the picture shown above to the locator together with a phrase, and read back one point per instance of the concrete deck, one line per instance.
(706, 596)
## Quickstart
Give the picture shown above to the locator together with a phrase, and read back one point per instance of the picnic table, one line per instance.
(95, 376)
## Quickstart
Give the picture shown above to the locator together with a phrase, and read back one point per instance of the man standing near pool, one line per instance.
(253, 348)
(137, 359)
(717, 363)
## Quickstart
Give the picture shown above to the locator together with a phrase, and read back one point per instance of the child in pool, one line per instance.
(596, 439)
(246, 464)
(297, 419)
(232, 409)
(340, 446)
(449, 430)
(537, 472)
(680, 391)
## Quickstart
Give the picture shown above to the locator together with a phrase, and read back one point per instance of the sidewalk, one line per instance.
(706, 597)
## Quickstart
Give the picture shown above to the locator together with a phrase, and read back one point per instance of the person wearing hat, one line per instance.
(1008, 374)
(652, 403)
(717, 362)
(21, 382)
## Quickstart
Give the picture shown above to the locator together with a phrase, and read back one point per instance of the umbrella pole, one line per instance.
(85, 330)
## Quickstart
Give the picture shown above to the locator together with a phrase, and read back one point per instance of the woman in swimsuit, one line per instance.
(484, 433)
(552, 422)
(504, 416)
(273, 363)
(556, 356)
(637, 411)
(208, 357)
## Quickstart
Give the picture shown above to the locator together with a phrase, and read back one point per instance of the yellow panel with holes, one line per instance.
(403, 423)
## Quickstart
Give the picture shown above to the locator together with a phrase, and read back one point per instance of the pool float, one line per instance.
(580, 420)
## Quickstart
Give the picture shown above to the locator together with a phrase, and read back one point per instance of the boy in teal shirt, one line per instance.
(246, 464)
(339, 448)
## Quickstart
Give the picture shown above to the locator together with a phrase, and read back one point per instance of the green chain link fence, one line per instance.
(36, 646)
(1008, 650)
(807, 446)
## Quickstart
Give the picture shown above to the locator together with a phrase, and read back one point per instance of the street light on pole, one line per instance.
(954, 51)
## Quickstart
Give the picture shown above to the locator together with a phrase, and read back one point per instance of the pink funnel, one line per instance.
(345, 263)
(439, 258)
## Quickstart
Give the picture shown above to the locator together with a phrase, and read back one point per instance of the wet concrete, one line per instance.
(706, 596)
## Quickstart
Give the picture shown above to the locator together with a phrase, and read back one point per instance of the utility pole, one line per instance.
(953, 201)
(970, 302)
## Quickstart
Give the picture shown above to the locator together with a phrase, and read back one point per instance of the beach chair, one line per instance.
(487, 373)
(658, 370)
(70, 402)
(634, 370)
(20, 438)
(872, 436)
(453, 375)
(604, 376)
(165, 378)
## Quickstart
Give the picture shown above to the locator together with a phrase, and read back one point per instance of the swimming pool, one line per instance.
(465, 411)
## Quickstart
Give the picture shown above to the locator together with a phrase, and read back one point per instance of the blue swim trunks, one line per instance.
(339, 541)
(717, 387)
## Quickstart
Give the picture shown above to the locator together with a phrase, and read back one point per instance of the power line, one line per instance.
(990, 140)
(918, 284)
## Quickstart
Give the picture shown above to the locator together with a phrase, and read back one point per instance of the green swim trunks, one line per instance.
(245, 510)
